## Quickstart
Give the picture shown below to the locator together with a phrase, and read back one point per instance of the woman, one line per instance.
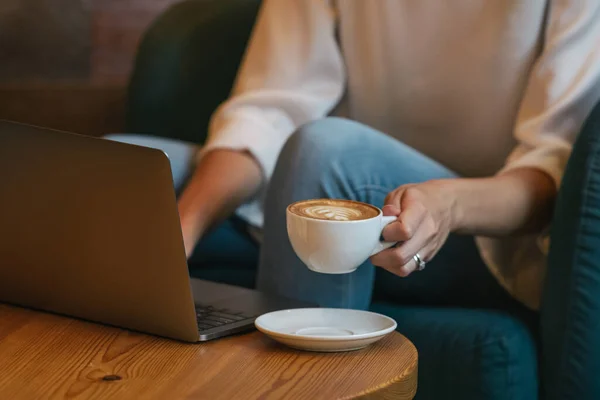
(458, 120)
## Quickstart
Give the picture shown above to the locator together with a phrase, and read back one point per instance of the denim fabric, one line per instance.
(338, 158)
(463, 353)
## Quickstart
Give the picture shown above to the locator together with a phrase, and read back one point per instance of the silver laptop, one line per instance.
(89, 228)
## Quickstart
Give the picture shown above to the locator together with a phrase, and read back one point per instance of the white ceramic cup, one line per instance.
(336, 247)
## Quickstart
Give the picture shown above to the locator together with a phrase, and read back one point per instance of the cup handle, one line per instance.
(385, 221)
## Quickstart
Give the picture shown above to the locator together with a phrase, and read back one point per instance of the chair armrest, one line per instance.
(186, 65)
(570, 314)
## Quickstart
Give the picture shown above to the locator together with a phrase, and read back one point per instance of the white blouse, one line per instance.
(509, 81)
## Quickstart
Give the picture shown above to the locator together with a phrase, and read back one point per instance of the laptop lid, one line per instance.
(89, 228)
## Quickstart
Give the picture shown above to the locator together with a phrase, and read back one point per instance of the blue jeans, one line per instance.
(338, 158)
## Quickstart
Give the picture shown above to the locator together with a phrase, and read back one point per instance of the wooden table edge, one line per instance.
(386, 390)
(401, 383)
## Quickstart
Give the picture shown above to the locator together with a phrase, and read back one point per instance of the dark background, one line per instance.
(65, 63)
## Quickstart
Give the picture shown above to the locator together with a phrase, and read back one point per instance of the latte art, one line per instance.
(334, 210)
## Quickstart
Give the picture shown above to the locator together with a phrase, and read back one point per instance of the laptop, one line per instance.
(89, 228)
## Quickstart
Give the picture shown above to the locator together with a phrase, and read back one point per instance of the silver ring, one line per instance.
(420, 263)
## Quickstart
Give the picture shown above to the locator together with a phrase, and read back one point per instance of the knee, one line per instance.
(316, 158)
(320, 141)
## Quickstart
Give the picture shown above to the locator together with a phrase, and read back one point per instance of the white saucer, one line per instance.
(325, 329)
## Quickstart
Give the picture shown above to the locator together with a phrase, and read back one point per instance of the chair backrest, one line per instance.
(186, 66)
(570, 314)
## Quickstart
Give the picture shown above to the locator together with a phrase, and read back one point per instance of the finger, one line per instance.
(411, 266)
(425, 254)
(408, 268)
(409, 222)
(405, 270)
(394, 259)
(413, 212)
(393, 198)
(391, 210)
(407, 250)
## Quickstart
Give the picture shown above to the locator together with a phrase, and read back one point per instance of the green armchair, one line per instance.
(185, 68)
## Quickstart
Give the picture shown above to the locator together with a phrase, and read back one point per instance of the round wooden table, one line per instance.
(48, 356)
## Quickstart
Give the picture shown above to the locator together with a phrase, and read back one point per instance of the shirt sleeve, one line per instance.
(292, 73)
(563, 87)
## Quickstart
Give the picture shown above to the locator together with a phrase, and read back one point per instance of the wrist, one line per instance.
(451, 193)
(192, 230)
(192, 217)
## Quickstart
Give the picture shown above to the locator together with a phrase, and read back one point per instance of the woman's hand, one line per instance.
(516, 202)
(425, 219)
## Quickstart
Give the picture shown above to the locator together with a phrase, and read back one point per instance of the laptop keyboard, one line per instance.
(209, 317)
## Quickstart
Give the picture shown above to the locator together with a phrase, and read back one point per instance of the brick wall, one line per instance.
(65, 63)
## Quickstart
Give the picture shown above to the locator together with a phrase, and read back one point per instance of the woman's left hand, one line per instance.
(425, 219)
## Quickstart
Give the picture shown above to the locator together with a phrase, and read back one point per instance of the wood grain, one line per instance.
(48, 356)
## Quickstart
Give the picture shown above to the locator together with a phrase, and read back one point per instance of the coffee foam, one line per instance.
(334, 210)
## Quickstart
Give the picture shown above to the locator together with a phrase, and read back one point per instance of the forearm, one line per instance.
(222, 181)
(519, 201)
